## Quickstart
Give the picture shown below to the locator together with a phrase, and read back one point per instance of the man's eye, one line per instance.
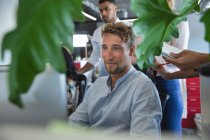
(116, 48)
(104, 48)
(106, 8)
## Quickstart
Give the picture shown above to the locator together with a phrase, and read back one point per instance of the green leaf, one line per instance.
(41, 26)
(156, 24)
(205, 18)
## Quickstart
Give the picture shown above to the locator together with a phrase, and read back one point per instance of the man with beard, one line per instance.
(126, 100)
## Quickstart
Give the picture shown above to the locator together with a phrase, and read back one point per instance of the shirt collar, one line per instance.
(119, 81)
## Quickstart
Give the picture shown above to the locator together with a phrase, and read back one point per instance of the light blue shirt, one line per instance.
(133, 106)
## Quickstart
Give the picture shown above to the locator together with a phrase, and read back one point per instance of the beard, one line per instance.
(114, 69)
(106, 20)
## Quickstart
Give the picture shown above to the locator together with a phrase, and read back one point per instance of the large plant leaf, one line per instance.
(206, 19)
(41, 26)
(156, 24)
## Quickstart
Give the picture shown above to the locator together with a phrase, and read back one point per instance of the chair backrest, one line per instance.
(163, 99)
(71, 70)
(76, 83)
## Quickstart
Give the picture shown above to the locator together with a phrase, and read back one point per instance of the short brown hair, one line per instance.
(122, 30)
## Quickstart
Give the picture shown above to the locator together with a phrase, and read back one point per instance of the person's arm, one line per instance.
(88, 66)
(188, 60)
(96, 53)
(146, 111)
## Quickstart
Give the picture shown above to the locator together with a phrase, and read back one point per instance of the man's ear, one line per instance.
(132, 50)
(115, 7)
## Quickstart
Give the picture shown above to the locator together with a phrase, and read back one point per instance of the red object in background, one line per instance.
(77, 65)
(193, 102)
(189, 121)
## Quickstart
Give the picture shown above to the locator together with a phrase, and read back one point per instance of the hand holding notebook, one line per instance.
(166, 50)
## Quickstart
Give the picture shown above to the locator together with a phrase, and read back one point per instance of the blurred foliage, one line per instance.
(156, 24)
(206, 20)
(41, 26)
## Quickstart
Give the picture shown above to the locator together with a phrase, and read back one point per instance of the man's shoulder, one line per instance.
(97, 32)
(140, 76)
(101, 80)
(125, 22)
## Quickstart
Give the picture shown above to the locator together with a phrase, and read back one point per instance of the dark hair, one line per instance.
(102, 1)
(122, 30)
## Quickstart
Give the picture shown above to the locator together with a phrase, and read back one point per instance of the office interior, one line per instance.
(195, 96)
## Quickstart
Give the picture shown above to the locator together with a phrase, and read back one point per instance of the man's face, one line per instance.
(116, 54)
(171, 4)
(108, 12)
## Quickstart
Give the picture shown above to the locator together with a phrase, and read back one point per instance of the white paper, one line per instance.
(167, 49)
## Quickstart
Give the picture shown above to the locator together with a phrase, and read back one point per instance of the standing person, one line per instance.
(126, 100)
(108, 13)
(172, 116)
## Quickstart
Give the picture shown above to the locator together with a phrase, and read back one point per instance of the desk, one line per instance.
(62, 131)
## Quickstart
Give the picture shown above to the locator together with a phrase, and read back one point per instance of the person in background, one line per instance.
(172, 115)
(186, 61)
(126, 100)
(108, 13)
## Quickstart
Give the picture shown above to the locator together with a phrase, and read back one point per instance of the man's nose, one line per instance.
(109, 53)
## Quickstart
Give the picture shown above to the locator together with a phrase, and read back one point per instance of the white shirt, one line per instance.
(182, 41)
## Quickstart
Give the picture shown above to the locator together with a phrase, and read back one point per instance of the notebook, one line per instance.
(166, 50)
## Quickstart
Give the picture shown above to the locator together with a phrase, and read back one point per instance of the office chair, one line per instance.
(76, 83)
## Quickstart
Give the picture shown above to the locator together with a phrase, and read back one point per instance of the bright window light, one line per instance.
(80, 40)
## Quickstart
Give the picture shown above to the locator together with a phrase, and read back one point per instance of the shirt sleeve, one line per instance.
(80, 116)
(96, 43)
(146, 111)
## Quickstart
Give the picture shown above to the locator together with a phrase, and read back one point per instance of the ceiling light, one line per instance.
(89, 16)
(129, 20)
